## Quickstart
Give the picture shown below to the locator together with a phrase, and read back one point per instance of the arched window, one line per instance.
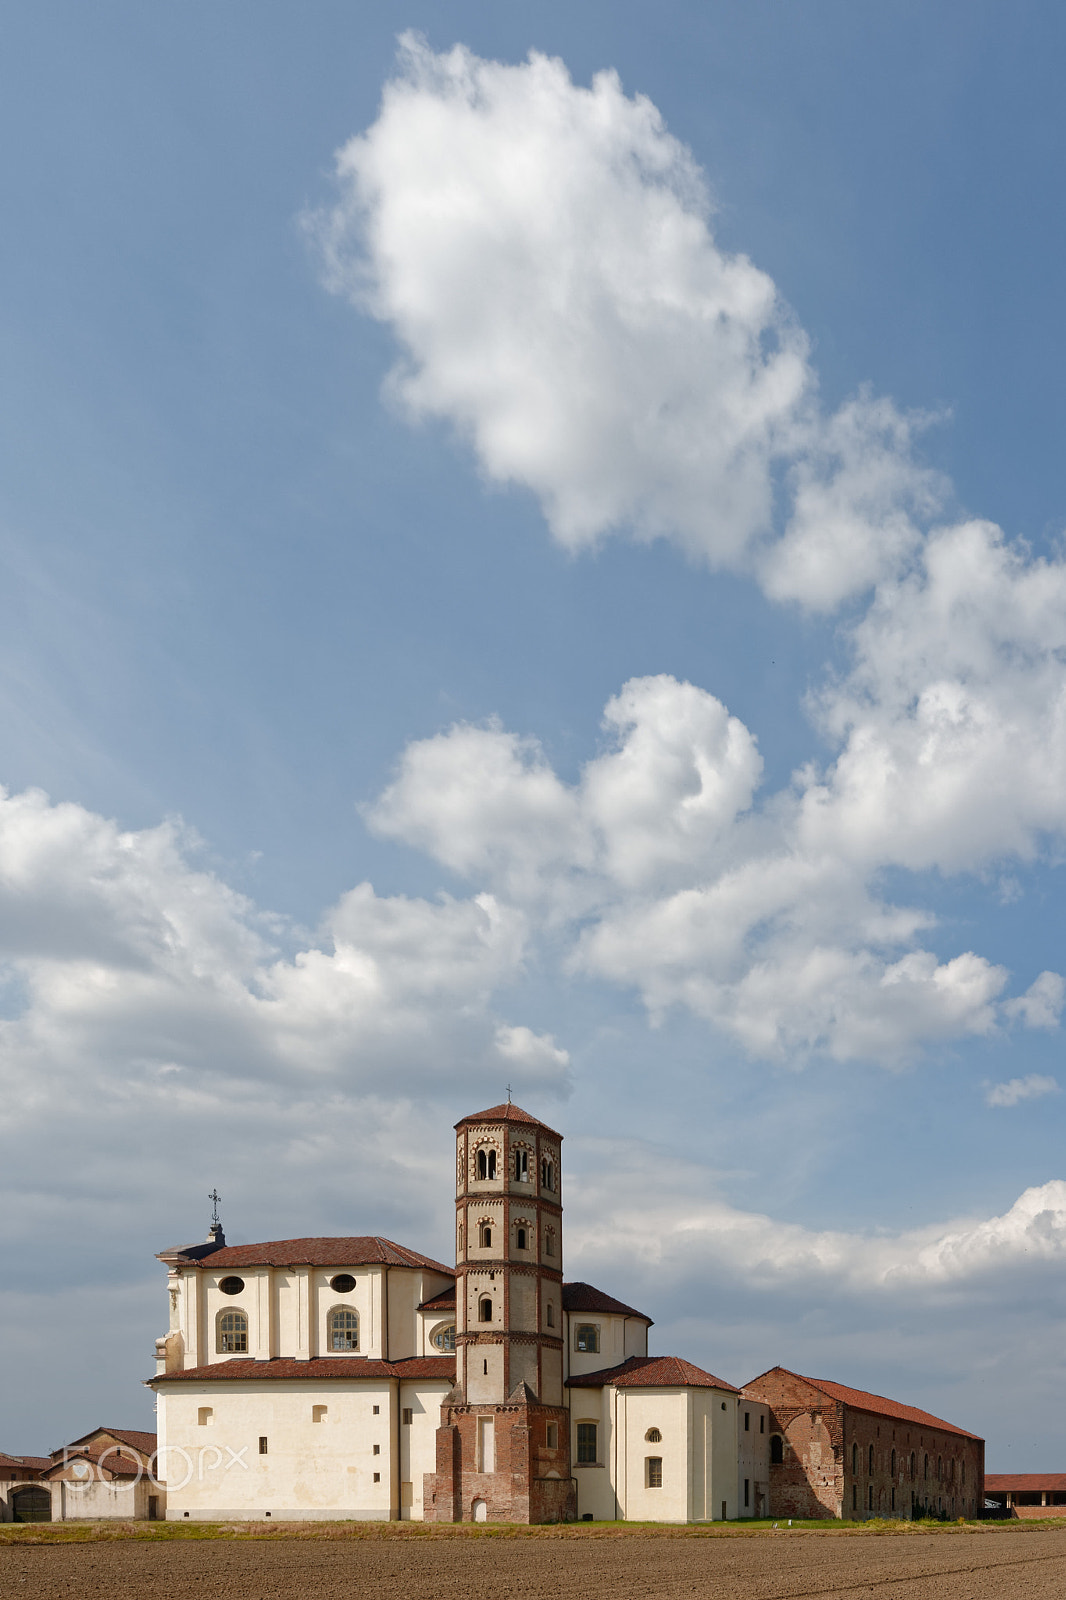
(486, 1163)
(549, 1241)
(777, 1450)
(912, 1466)
(926, 1471)
(893, 1463)
(963, 1474)
(521, 1238)
(232, 1333)
(343, 1326)
(549, 1316)
(459, 1238)
(855, 1460)
(484, 1309)
(443, 1338)
(871, 1461)
(653, 1436)
(940, 1469)
(547, 1173)
(521, 1166)
(485, 1235)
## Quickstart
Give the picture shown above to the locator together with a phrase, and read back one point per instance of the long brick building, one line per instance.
(841, 1452)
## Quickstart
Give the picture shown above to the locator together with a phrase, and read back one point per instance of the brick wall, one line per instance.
(838, 1461)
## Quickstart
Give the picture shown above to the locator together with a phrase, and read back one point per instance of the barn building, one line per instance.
(841, 1452)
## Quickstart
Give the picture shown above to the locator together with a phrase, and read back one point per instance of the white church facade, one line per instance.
(355, 1378)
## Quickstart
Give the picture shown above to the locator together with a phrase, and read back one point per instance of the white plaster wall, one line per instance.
(753, 1456)
(595, 1488)
(311, 1469)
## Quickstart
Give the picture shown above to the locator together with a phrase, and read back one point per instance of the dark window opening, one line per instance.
(655, 1472)
(232, 1285)
(747, 1489)
(343, 1283)
(484, 1309)
(777, 1450)
(262, 1444)
(586, 1442)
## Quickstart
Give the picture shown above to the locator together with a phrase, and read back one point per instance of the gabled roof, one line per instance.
(363, 1250)
(356, 1369)
(877, 1404)
(28, 1464)
(109, 1462)
(136, 1438)
(507, 1113)
(652, 1372)
(1026, 1482)
(583, 1297)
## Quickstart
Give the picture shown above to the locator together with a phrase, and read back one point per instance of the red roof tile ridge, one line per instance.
(581, 1296)
(654, 1372)
(506, 1111)
(879, 1404)
(1026, 1480)
(334, 1250)
(245, 1368)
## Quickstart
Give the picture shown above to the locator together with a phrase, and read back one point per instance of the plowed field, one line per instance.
(970, 1565)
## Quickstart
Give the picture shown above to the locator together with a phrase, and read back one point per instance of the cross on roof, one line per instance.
(216, 1197)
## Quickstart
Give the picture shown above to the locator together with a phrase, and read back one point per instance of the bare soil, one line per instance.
(970, 1564)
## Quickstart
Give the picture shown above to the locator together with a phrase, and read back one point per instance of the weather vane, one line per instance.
(216, 1197)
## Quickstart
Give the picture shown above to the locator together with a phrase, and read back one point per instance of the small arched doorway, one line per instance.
(481, 1511)
(32, 1504)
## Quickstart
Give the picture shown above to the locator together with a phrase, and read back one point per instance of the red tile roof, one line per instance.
(318, 1369)
(652, 1372)
(29, 1464)
(136, 1438)
(362, 1251)
(445, 1301)
(583, 1297)
(507, 1113)
(110, 1463)
(1026, 1482)
(877, 1404)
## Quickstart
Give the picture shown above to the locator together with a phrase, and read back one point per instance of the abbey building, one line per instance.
(356, 1378)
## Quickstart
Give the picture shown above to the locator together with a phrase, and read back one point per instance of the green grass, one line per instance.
(162, 1532)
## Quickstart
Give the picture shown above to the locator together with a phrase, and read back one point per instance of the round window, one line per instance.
(444, 1338)
(343, 1283)
(653, 1436)
(231, 1285)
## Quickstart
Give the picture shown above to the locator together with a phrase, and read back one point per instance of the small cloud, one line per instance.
(1030, 1088)
(1041, 1004)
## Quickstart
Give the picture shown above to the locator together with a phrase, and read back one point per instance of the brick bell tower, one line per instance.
(503, 1445)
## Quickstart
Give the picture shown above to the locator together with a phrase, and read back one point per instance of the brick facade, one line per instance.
(842, 1453)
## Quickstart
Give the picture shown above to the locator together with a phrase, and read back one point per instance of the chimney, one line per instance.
(215, 1235)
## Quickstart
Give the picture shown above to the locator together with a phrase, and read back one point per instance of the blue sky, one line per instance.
(275, 624)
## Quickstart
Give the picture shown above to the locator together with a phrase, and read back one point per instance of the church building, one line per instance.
(357, 1378)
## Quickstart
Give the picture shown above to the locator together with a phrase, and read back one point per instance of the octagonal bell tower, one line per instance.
(503, 1448)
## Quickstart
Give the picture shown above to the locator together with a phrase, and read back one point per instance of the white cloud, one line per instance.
(148, 994)
(1018, 1089)
(634, 1208)
(662, 875)
(544, 256)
